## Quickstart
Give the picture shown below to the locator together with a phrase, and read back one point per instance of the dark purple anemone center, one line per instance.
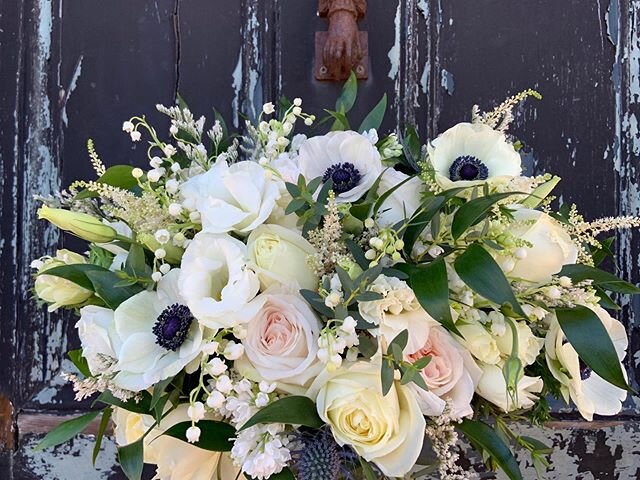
(172, 326)
(344, 176)
(468, 167)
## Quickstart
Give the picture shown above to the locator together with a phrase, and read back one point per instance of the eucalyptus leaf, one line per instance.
(294, 410)
(588, 336)
(485, 437)
(66, 430)
(477, 268)
(215, 436)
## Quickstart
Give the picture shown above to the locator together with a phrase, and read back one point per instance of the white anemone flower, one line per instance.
(232, 198)
(215, 280)
(347, 158)
(159, 336)
(468, 154)
(590, 392)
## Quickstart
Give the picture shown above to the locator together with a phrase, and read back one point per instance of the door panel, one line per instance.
(73, 70)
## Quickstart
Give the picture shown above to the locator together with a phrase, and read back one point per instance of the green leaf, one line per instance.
(158, 390)
(341, 121)
(605, 280)
(66, 430)
(136, 265)
(367, 470)
(387, 372)
(477, 268)
(349, 94)
(419, 222)
(400, 340)
(387, 194)
(294, 410)
(215, 436)
(540, 193)
(117, 176)
(104, 286)
(375, 116)
(599, 255)
(316, 302)
(76, 273)
(412, 148)
(142, 407)
(483, 436)
(104, 423)
(285, 474)
(588, 336)
(473, 212)
(431, 286)
(131, 459)
(80, 362)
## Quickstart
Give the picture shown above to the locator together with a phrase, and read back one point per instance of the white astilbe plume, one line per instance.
(501, 117)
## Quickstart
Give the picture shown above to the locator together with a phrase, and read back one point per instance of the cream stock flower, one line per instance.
(347, 158)
(215, 280)
(386, 430)
(57, 291)
(590, 392)
(281, 256)
(282, 341)
(236, 197)
(479, 342)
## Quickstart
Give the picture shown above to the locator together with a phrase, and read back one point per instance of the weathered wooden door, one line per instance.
(75, 69)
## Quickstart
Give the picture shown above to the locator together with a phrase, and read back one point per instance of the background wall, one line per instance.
(75, 69)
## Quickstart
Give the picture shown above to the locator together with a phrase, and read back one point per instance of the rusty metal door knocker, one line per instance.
(342, 47)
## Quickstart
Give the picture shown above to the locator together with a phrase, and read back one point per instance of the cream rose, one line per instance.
(282, 341)
(386, 430)
(175, 459)
(236, 197)
(57, 291)
(590, 392)
(347, 158)
(215, 280)
(403, 202)
(480, 343)
(493, 387)
(551, 249)
(281, 256)
(451, 375)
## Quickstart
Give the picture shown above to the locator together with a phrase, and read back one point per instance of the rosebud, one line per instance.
(82, 225)
(57, 291)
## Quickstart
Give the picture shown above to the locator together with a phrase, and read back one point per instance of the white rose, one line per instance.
(493, 387)
(215, 281)
(552, 246)
(529, 345)
(57, 291)
(347, 158)
(175, 459)
(98, 337)
(159, 335)
(281, 256)
(403, 202)
(479, 342)
(236, 197)
(468, 154)
(590, 392)
(282, 341)
(451, 375)
(398, 310)
(386, 430)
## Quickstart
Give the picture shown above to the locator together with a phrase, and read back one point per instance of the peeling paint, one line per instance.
(236, 83)
(394, 52)
(448, 82)
(73, 84)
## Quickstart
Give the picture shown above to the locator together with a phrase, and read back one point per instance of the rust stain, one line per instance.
(7, 430)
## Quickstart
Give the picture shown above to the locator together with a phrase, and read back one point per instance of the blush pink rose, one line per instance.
(451, 375)
(282, 341)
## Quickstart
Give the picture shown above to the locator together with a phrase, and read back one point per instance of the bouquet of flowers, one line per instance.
(265, 305)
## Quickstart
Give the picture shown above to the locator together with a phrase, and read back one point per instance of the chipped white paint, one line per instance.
(448, 81)
(236, 83)
(73, 84)
(394, 52)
